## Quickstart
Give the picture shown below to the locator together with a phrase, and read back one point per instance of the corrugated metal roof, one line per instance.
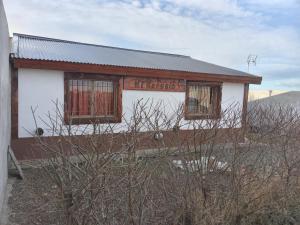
(41, 48)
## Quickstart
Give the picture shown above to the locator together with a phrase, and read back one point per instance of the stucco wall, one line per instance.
(4, 101)
(38, 89)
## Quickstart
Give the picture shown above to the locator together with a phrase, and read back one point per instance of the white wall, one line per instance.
(4, 101)
(38, 89)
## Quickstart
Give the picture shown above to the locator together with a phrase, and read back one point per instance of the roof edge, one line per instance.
(130, 71)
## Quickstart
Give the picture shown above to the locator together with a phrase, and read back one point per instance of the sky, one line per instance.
(224, 32)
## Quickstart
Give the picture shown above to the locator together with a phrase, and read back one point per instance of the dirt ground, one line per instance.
(32, 200)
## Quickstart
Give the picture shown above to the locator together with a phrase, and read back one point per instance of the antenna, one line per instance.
(251, 60)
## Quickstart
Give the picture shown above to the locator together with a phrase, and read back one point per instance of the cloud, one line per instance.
(289, 83)
(274, 3)
(222, 32)
(225, 7)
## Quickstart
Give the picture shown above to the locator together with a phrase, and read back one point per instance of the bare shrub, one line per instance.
(152, 170)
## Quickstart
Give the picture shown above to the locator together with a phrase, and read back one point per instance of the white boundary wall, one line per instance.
(4, 101)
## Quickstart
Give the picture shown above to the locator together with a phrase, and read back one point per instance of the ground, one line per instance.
(32, 200)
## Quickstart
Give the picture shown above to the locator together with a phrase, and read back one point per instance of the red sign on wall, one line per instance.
(153, 84)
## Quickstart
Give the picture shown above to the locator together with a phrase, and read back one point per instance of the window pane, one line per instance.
(103, 98)
(80, 97)
(200, 101)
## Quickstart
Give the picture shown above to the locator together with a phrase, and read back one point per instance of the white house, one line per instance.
(101, 83)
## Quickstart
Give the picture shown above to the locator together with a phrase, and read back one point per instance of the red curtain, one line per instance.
(104, 98)
(91, 98)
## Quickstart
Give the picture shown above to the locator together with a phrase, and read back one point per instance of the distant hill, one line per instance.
(288, 99)
(259, 94)
(266, 113)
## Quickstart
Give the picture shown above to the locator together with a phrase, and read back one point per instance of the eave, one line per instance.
(131, 71)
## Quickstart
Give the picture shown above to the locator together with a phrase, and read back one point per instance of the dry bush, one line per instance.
(186, 178)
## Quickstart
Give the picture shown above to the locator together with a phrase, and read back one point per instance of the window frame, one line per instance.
(215, 115)
(76, 120)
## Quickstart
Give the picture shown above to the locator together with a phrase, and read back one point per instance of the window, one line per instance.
(91, 98)
(203, 100)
